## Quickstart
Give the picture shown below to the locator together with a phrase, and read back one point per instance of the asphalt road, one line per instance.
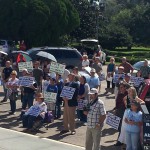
(109, 135)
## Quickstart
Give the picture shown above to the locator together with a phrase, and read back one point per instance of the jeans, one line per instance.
(28, 121)
(5, 91)
(12, 105)
(108, 84)
(132, 139)
(81, 116)
(27, 100)
(58, 110)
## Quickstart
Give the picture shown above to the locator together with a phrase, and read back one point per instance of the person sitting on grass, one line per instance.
(35, 112)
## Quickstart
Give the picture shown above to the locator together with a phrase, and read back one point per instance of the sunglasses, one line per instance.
(13, 74)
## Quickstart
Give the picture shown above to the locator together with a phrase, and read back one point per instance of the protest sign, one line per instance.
(113, 120)
(26, 81)
(117, 77)
(136, 80)
(34, 110)
(57, 68)
(50, 97)
(82, 103)
(25, 65)
(67, 92)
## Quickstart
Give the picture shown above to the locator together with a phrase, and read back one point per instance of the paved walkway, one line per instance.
(13, 140)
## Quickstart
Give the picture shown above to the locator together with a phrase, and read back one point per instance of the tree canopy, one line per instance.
(39, 22)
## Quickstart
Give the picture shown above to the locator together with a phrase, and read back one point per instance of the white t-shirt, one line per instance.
(85, 63)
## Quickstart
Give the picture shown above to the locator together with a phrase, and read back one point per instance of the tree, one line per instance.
(39, 22)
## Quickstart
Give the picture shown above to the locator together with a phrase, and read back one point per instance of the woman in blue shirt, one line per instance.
(133, 121)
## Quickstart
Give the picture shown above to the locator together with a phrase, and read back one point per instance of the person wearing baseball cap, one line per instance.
(96, 115)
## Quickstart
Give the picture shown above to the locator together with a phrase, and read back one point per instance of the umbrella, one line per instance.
(3, 53)
(25, 55)
(46, 55)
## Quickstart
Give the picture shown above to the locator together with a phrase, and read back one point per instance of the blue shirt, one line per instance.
(52, 88)
(133, 116)
(94, 82)
(111, 67)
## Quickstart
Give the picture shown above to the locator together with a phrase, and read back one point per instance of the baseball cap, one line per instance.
(128, 74)
(93, 70)
(120, 67)
(93, 91)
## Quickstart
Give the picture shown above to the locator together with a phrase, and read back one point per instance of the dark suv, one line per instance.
(70, 56)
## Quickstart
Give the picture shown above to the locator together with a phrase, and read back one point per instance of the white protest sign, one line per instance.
(50, 97)
(67, 92)
(82, 103)
(113, 120)
(25, 65)
(26, 81)
(117, 76)
(136, 80)
(57, 68)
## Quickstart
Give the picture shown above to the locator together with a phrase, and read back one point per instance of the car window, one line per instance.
(56, 53)
(2, 42)
(70, 54)
(10, 43)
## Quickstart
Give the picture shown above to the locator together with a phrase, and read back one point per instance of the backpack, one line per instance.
(49, 118)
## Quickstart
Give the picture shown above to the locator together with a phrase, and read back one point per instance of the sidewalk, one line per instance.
(13, 140)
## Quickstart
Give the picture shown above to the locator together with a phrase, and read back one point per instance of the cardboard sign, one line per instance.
(117, 76)
(25, 65)
(113, 121)
(82, 103)
(26, 81)
(50, 97)
(136, 80)
(67, 92)
(57, 68)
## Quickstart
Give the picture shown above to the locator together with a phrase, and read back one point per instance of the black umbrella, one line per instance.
(46, 55)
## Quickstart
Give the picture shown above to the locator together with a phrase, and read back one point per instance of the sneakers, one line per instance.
(73, 132)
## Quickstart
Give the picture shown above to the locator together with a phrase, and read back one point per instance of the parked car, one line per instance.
(92, 46)
(7, 46)
(70, 56)
(138, 65)
(144, 94)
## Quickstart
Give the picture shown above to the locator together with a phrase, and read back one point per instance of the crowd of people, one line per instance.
(85, 102)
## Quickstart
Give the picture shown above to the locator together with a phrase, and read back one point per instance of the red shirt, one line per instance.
(127, 67)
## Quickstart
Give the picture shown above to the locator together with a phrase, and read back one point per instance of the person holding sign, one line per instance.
(70, 106)
(96, 115)
(37, 111)
(52, 87)
(83, 98)
(28, 93)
